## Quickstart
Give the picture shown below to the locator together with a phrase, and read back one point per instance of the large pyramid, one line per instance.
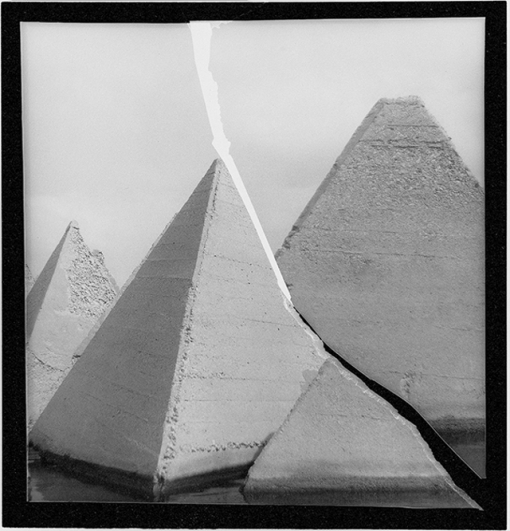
(386, 263)
(343, 445)
(196, 365)
(68, 297)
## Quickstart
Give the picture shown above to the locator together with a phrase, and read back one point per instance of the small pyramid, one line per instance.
(29, 280)
(68, 297)
(386, 264)
(196, 365)
(343, 445)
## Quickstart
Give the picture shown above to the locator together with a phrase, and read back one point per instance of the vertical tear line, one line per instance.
(201, 34)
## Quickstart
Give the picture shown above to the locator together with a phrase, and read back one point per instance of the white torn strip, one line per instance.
(201, 34)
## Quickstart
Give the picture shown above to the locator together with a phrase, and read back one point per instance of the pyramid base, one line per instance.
(196, 483)
(127, 483)
(363, 492)
(142, 487)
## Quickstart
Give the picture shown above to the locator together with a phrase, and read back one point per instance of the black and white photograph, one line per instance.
(256, 255)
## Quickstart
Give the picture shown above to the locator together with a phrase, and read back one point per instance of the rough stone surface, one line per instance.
(196, 365)
(386, 263)
(69, 296)
(29, 280)
(342, 444)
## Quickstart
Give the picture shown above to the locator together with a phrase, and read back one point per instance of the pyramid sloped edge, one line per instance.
(54, 432)
(265, 482)
(75, 289)
(352, 143)
(79, 351)
(38, 292)
(233, 259)
(358, 134)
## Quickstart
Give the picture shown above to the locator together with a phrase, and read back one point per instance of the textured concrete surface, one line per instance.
(386, 263)
(29, 280)
(70, 294)
(196, 365)
(343, 444)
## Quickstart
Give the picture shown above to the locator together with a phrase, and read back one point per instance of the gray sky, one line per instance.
(116, 134)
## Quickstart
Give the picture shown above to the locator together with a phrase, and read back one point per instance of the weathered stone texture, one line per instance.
(341, 444)
(386, 263)
(196, 365)
(70, 294)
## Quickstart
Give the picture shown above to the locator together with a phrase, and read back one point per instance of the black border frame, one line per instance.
(489, 493)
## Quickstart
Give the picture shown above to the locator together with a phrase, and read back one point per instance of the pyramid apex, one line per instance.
(404, 100)
(307, 460)
(218, 171)
(218, 165)
(71, 293)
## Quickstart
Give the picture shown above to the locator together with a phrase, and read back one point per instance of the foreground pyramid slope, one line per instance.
(386, 263)
(70, 294)
(196, 365)
(343, 445)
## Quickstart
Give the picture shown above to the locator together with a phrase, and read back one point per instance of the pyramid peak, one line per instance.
(218, 166)
(341, 441)
(217, 172)
(73, 224)
(70, 294)
(403, 100)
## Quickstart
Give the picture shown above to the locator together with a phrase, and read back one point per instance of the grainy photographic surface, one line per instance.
(164, 362)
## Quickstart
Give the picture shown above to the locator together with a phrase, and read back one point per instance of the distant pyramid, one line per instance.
(343, 445)
(196, 365)
(68, 297)
(386, 263)
(29, 280)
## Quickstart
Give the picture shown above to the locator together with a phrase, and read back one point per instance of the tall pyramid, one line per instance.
(68, 297)
(196, 365)
(386, 263)
(29, 280)
(343, 445)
